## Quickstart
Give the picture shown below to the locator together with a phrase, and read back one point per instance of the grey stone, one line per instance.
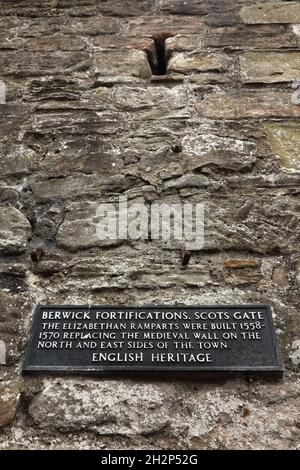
(17, 160)
(224, 152)
(85, 121)
(33, 65)
(78, 186)
(125, 63)
(196, 7)
(247, 104)
(14, 230)
(200, 62)
(73, 406)
(271, 12)
(250, 37)
(86, 154)
(135, 99)
(269, 67)
(197, 181)
(91, 26)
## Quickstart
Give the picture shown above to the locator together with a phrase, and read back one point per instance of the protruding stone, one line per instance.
(248, 104)
(2, 353)
(14, 230)
(284, 138)
(223, 152)
(242, 263)
(280, 276)
(270, 67)
(74, 187)
(195, 7)
(91, 26)
(152, 25)
(100, 407)
(17, 160)
(271, 12)
(9, 401)
(162, 99)
(22, 65)
(126, 62)
(79, 228)
(200, 62)
(187, 180)
(125, 7)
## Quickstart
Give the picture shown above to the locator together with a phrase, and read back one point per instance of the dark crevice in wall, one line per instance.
(160, 46)
(159, 66)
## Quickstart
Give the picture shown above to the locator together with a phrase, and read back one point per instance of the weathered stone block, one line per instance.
(270, 67)
(15, 307)
(12, 118)
(248, 104)
(242, 263)
(8, 194)
(180, 43)
(281, 180)
(199, 62)
(16, 160)
(280, 277)
(188, 181)
(251, 37)
(9, 401)
(19, 64)
(77, 186)
(52, 88)
(223, 152)
(76, 123)
(284, 138)
(73, 406)
(260, 231)
(126, 62)
(54, 43)
(91, 26)
(126, 7)
(79, 229)
(14, 230)
(152, 25)
(81, 154)
(25, 8)
(196, 7)
(271, 12)
(139, 99)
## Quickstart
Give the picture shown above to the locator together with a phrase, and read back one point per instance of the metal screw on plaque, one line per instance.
(2, 353)
(2, 92)
(37, 254)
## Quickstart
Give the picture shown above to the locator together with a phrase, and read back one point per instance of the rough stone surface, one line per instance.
(284, 138)
(9, 401)
(85, 117)
(271, 12)
(14, 230)
(248, 104)
(270, 67)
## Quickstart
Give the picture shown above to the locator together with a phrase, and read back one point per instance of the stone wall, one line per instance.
(85, 121)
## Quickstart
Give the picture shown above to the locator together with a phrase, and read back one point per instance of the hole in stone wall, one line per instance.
(161, 63)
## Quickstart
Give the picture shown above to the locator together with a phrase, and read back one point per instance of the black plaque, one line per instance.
(74, 338)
